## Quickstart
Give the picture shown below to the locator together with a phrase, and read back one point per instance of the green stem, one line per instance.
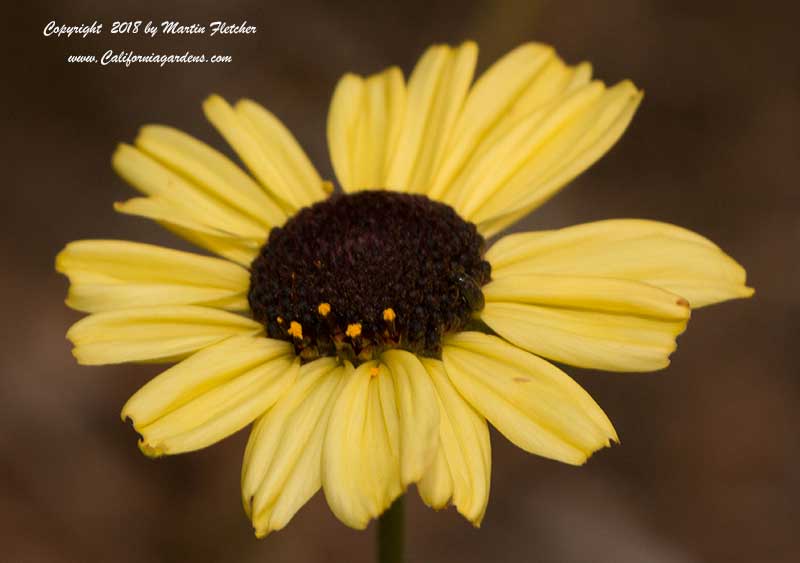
(390, 533)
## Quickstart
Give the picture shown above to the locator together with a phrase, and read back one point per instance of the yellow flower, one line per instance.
(368, 335)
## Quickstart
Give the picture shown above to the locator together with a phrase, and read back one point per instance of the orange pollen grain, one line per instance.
(324, 309)
(353, 330)
(296, 329)
(389, 315)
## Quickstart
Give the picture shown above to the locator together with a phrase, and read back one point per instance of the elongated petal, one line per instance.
(344, 115)
(591, 322)
(531, 402)
(480, 184)
(268, 149)
(110, 274)
(436, 486)
(461, 471)
(588, 293)
(153, 333)
(360, 457)
(235, 248)
(211, 171)
(277, 141)
(585, 338)
(364, 123)
(211, 395)
(658, 254)
(514, 131)
(418, 413)
(238, 250)
(581, 136)
(182, 193)
(495, 151)
(282, 463)
(436, 91)
(492, 97)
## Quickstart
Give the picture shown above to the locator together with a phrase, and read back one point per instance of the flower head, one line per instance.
(370, 335)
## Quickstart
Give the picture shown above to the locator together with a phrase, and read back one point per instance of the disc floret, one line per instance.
(359, 273)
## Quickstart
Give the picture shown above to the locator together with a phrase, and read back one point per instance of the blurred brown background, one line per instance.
(708, 467)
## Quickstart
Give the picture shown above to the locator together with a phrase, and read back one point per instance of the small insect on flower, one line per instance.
(368, 334)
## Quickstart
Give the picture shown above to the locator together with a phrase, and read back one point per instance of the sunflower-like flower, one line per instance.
(368, 334)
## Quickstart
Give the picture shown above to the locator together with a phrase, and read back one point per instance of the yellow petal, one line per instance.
(153, 333)
(343, 118)
(575, 133)
(154, 179)
(613, 342)
(268, 150)
(360, 466)
(462, 470)
(211, 395)
(436, 91)
(494, 166)
(210, 170)
(436, 486)
(110, 274)
(555, 79)
(591, 322)
(492, 97)
(446, 106)
(282, 463)
(176, 219)
(531, 402)
(587, 293)
(418, 413)
(658, 254)
(281, 146)
(364, 123)
(238, 250)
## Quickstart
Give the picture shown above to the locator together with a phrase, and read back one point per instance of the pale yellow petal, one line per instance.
(169, 213)
(493, 94)
(174, 218)
(153, 333)
(109, 274)
(418, 413)
(577, 145)
(587, 293)
(364, 123)
(211, 395)
(451, 91)
(343, 117)
(463, 463)
(264, 147)
(238, 250)
(360, 468)
(421, 89)
(585, 338)
(154, 179)
(261, 446)
(436, 485)
(655, 253)
(496, 165)
(591, 322)
(382, 441)
(210, 170)
(282, 464)
(282, 147)
(342, 468)
(530, 401)
(555, 79)
(436, 91)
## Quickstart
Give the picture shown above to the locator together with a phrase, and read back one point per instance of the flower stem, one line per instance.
(390, 533)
